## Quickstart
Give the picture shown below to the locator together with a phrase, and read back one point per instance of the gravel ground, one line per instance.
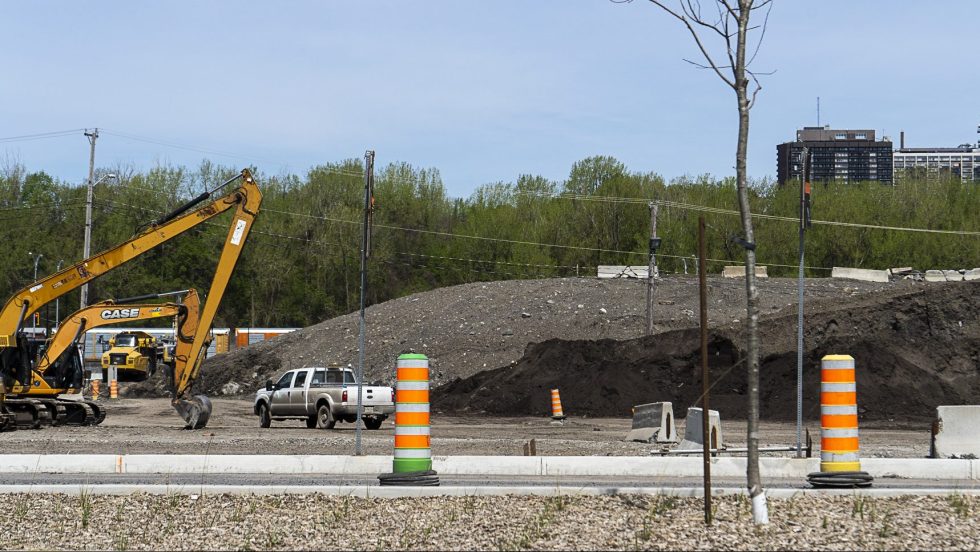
(622, 522)
(150, 426)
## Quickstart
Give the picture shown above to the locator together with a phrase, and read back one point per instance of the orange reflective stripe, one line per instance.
(411, 441)
(845, 398)
(413, 374)
(413, 396)
(839, 444)
(837, 376)
(839, 420)
(411, 418)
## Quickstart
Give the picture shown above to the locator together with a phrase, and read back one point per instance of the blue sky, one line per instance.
(482, 91)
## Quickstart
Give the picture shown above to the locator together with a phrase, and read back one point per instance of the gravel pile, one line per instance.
(622, 522)
(474, 327)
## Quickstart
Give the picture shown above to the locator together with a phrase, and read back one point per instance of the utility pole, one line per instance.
(804, 222)
(652, 265)
(57, 301)
(365, 251)
(92, 137)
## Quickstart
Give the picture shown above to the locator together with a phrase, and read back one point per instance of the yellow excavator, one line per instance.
(23, 387)
(60, 365)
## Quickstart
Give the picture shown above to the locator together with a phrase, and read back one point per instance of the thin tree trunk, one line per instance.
(760, 513)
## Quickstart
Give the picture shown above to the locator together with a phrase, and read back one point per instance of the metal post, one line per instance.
(368, 184)
(652, 266)
(86, 250)
(705, 413)
(799, 317)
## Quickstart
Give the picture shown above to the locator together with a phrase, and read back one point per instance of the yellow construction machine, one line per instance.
(133, 354)
(60, 364)
(23, 386)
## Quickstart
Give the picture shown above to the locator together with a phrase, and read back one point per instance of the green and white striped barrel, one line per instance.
(412, 442)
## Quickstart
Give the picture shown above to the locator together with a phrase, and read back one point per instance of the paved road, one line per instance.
(570, 482)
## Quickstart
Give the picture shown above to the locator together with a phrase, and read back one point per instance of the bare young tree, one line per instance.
(722, 35)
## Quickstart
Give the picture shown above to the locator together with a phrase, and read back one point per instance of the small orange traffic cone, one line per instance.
(556, 412)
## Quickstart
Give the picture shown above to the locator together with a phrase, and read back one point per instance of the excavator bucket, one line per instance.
(195, 411)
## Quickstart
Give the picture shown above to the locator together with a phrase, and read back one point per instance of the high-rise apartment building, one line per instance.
(836, 155)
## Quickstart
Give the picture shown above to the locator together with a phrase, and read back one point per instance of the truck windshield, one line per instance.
(126, 341)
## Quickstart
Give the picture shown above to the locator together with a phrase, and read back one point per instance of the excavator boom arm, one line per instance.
(111, 312)
(28, 300)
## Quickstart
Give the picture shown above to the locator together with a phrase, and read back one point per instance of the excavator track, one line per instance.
(29, 413)
(75, 413)
(41, 413)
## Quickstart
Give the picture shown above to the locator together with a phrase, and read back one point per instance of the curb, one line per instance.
(194, 491)
(638, 466)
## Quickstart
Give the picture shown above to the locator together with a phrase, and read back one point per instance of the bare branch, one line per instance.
(765, 25)
(697, 39)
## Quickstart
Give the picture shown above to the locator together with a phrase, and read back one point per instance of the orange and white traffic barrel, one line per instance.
(556, 412)
(412, 437)
(838, 415)
(95, 388)
(113, 389)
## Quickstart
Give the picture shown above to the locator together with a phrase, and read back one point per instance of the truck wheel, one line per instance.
(311, 421)
(324, 418)
(265, 419)
(372, 423)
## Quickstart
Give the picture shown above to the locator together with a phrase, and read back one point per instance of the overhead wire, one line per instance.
(41, 135)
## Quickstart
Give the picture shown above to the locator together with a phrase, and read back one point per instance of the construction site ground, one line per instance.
(150, 426)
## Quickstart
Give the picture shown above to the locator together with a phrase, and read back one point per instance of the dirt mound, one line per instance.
(913, 351)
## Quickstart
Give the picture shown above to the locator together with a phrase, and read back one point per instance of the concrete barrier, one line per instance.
(863, 274)
(617, 271)
(955, 433)
(972, 274)
(738, 271)
(693, 430)
(653, 423)
(953, 275)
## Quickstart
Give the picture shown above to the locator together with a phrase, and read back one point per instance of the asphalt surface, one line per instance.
(306, 480)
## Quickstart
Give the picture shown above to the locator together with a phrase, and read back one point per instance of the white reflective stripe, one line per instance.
(839, 457)
(412, 364)
(413, 453)
(834, 433)
(837, 364)
(837, 409)
(411, 430)
(411, 407)
(412, 386)
(837, 387)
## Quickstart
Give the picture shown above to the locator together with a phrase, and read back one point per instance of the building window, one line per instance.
(860, 136)
(840, 136)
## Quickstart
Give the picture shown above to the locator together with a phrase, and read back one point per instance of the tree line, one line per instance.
(302, 261)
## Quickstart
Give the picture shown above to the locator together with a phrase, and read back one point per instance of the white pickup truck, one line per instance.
(322, 397)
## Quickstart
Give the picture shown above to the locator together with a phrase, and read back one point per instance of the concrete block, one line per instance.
(953, 275)
(738, 271)
(972, 274)
(905, 270)
(653, 423)
(955, 432)
(935, 276)
(693, 431)
(863, 274)
(619, 271)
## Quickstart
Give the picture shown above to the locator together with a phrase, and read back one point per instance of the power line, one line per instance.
(40, 136)
(731, 212)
